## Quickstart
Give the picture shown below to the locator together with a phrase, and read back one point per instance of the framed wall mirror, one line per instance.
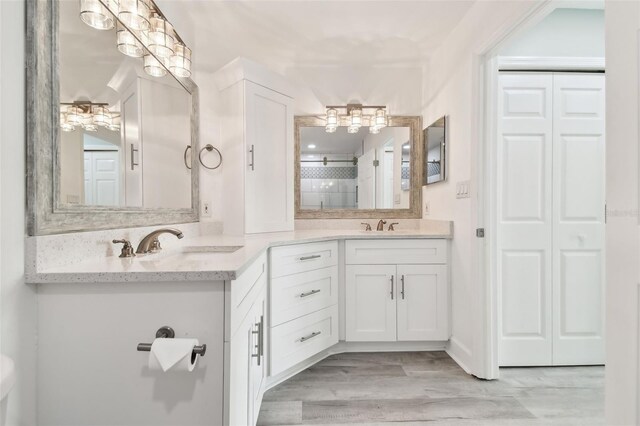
(435, 148)
(109, 127)
(358, 175)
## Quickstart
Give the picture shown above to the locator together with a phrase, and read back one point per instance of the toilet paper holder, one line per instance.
(167, 332)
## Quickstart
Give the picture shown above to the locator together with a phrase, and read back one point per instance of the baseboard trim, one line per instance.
(460, 354)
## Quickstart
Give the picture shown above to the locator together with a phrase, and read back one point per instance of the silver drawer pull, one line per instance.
(313, 256)
(311, 336)
(309, 293)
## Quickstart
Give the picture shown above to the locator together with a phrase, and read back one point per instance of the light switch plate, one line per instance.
(463, 189)
(206, 209)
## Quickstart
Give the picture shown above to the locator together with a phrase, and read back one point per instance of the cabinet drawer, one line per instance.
(297, 295)
(242, 293)
(398, 252)
(302, 338)
(303, 257)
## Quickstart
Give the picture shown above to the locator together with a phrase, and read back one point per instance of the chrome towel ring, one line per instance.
(207, 147)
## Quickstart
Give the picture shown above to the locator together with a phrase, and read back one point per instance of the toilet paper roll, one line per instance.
(173, 354)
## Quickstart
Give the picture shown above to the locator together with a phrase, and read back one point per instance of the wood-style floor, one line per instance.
(414, 388)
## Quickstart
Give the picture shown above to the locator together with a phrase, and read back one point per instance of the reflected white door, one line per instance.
(551, 219)
(578, 218)
(367, 180)
(103, 186)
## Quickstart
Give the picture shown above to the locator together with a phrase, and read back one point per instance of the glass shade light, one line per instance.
(74, 115)
(353, 129)
(181, 61)
(127, 43)
(90, 127)
(160, 37)
(101, 116)
(94, 14)
(135, 14)
(381, 118)
(153, 67)
(356, 118)
(64, 125)
(374, 130)
(331, 129)
(115, 123)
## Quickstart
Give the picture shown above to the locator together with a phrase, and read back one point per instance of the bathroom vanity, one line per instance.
(267, 306)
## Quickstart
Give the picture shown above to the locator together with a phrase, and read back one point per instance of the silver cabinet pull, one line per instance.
(309, 293)
(260, 345)
(252, 164)
(133, 163)
(313, 256)
(391, 287)
(311, 336)
(402, 291)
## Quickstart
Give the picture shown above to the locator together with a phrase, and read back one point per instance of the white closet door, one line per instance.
(578, 218)
(269, 181)
(524, 262)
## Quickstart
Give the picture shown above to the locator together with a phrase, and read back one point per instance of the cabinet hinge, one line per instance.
(480, 232)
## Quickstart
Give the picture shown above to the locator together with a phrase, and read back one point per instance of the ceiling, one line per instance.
(284, 34)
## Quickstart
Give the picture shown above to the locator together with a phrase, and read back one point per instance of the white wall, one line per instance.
(18, 301)
(451, 85)
(623, 250)
(564, 32)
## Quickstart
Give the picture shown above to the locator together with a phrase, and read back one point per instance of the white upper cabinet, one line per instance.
(256, 139)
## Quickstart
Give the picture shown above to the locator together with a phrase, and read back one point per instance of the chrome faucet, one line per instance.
(391, 227)
(381, 225)
(367, 227)
(151, 243)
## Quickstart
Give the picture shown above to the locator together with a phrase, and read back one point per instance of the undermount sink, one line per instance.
(211, 249)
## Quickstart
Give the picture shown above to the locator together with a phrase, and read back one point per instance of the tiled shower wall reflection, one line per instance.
(329, 187)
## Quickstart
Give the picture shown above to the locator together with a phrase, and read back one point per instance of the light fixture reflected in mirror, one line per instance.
(181, 61)
(88, 116)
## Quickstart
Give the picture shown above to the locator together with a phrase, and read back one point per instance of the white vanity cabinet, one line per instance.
(245, 343)
(256, 139)
(396, 290)
(303, 302)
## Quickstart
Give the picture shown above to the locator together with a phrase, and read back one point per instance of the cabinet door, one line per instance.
(258, 369)
(241, 348)
(371, 303)
(423, 302)
(269, 169)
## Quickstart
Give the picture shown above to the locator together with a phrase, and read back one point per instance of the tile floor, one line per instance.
(416, 388)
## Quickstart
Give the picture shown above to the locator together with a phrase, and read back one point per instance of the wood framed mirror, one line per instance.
(137, 171)
(341, 175)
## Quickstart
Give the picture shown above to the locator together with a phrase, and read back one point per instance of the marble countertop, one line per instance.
(178, 265)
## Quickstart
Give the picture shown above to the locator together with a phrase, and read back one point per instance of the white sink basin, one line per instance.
(211, 249)
(7, 376)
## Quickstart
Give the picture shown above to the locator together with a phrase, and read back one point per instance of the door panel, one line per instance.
(578, 224)
(371, 303)
(525, 218)
(269, 184)
(422, 302)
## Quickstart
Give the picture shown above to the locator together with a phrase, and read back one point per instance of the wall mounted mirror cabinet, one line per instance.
(112, 114)
(435, 148)
(345, 173)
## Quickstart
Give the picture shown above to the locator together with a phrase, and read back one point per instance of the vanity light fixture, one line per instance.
(88, 116)
(161, 39)
(135, 14)
(114, 125)
(153, 67)
(128, 44)
(96, 15)
(355, 118)
(141, 25)
(181, 60)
